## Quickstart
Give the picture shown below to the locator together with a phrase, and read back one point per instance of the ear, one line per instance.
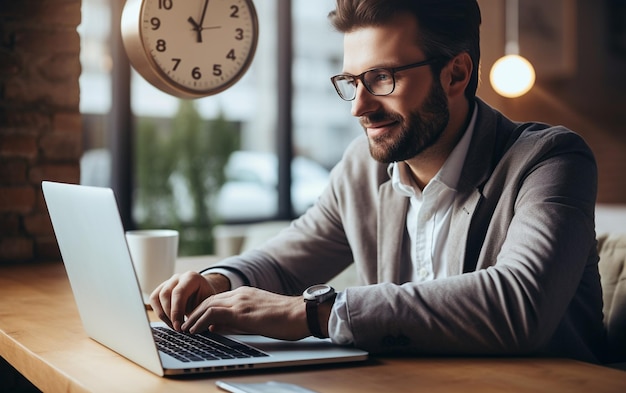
(456, 74)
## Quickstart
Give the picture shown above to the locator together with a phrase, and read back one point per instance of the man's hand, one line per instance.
(253, 311)
(181, 294)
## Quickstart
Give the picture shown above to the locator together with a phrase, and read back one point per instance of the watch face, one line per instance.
(318, 290)
(199, 46)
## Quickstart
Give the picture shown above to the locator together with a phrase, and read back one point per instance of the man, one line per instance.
(471, 234)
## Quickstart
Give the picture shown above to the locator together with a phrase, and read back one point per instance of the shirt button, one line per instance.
(423, 273)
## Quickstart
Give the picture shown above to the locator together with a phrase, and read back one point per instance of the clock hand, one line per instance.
(197, 28)
(195, 24)
(206, 3)
(200, 28)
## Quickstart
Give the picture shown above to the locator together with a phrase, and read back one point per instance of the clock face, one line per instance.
(195, 48)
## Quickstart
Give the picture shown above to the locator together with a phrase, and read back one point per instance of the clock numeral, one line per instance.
(239, 35)
(235, 11)
(195, 73)
(166, 4)
(176, 63)
(231, 55)
(161, 47)
(156, 23)
(217, 69)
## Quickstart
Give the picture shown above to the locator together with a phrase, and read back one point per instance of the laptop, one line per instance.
(93, 246)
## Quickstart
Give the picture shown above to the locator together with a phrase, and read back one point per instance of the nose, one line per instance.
(364, 102)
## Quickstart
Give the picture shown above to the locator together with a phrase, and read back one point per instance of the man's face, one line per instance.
(412, 118)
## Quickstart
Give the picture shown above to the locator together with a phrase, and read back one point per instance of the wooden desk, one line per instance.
(42, 337)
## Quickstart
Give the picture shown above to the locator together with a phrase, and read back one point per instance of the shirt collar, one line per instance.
(450, 172)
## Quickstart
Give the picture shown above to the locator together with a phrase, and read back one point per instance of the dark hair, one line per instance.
(447, 27)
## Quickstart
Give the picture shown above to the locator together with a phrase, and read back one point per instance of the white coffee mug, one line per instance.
(154, 253)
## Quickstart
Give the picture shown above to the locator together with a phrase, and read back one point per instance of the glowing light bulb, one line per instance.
(512, 76)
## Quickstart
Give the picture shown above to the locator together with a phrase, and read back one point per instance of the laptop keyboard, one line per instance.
(197, 347)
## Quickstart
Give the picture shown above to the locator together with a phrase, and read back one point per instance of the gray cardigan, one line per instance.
(523, 274)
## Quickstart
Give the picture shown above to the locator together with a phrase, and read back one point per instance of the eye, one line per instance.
(378, 76)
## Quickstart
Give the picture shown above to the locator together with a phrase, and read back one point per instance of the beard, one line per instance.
(419, 131)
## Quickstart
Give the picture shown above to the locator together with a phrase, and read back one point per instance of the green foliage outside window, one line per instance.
(179, 168)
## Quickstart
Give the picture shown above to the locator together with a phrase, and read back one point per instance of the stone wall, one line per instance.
(40, 122)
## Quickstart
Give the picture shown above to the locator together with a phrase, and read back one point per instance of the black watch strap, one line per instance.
(312, 316)
(313, 320)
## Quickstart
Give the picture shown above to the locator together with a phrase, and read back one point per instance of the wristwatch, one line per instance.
(313, 296)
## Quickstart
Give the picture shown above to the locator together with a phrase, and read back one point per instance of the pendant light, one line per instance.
(512, 75)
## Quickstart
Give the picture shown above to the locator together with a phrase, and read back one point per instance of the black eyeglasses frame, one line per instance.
(391, 70)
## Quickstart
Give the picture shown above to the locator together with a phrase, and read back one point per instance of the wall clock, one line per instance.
(190, 48)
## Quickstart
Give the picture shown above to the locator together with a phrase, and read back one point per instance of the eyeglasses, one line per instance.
(378, 81)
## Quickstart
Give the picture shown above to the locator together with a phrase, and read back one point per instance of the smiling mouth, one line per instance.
(377, 130)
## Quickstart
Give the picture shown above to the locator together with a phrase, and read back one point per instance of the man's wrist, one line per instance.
(218, 282)
(234, 279)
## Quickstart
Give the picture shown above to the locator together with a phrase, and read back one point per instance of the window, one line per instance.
(95, 87)
(323, 125)
(214, 161)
